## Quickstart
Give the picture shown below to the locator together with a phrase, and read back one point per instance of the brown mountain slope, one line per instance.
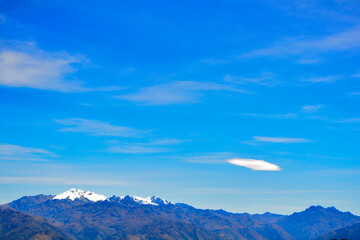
(351, 233)
(15, 225)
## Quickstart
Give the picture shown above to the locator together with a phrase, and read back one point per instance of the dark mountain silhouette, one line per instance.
(351, 233)
(154, 218)
(15, 225)
(316, 221)
(124, 218)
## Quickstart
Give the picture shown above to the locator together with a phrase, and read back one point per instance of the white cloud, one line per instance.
(38, 69)
(280, 139)
(35, 68)
(20, 153)
(310, 108)
(176, 92)
(97, 128)
(256, 165)
(263, 79)
(346, 40)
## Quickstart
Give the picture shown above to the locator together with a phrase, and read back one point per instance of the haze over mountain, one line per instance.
(132, 217)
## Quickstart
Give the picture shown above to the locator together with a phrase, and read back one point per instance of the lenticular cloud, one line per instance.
(256, 165)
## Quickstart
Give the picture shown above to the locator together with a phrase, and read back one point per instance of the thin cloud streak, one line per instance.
(303, 117)
(342, 41)
(133, 149)
(275, 116)
(20, 153)
(97, 128)
(210, 158)
(266, 79)
(253, 164)
(280, 139)
(326, 79)
(156, 146)
(177, 92)
(310, 108)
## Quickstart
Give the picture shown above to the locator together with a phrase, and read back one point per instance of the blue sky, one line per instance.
(173, 99)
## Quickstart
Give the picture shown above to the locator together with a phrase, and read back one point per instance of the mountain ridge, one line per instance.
(130, 217)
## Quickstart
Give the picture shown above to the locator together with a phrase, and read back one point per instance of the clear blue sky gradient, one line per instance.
(152, 97)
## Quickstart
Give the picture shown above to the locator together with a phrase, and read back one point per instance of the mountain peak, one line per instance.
(74, 193)
(140, 200)
(315, 208)
(321, 208)
(148, 200)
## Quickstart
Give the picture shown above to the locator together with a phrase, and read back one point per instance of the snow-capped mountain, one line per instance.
(145, 201)
(74, 193)
(131, 217)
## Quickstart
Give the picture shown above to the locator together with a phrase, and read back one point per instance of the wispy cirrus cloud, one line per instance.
(209, 158)
(97, 128)
(30, 67)
(348, 120)
(279, 139)
(325, 79)
(264, 79)
(275, 116)
(176, 92)
(20, 153)
(136, 149)
(39, 69)
(303, 117)
(342, 41)
(156, 146)
(253, 164)
(310, 108)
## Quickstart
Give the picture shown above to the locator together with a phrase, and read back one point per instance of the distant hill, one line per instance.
(268, 217)
(351, 233)
(90, 216)
(15, 225)
(316, 221)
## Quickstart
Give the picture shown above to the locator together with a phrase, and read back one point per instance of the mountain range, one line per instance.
(76, 214)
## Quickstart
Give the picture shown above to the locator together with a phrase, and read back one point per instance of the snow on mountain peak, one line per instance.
(145, 201)
(140, 200)
(150, 200)
(74, 193)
